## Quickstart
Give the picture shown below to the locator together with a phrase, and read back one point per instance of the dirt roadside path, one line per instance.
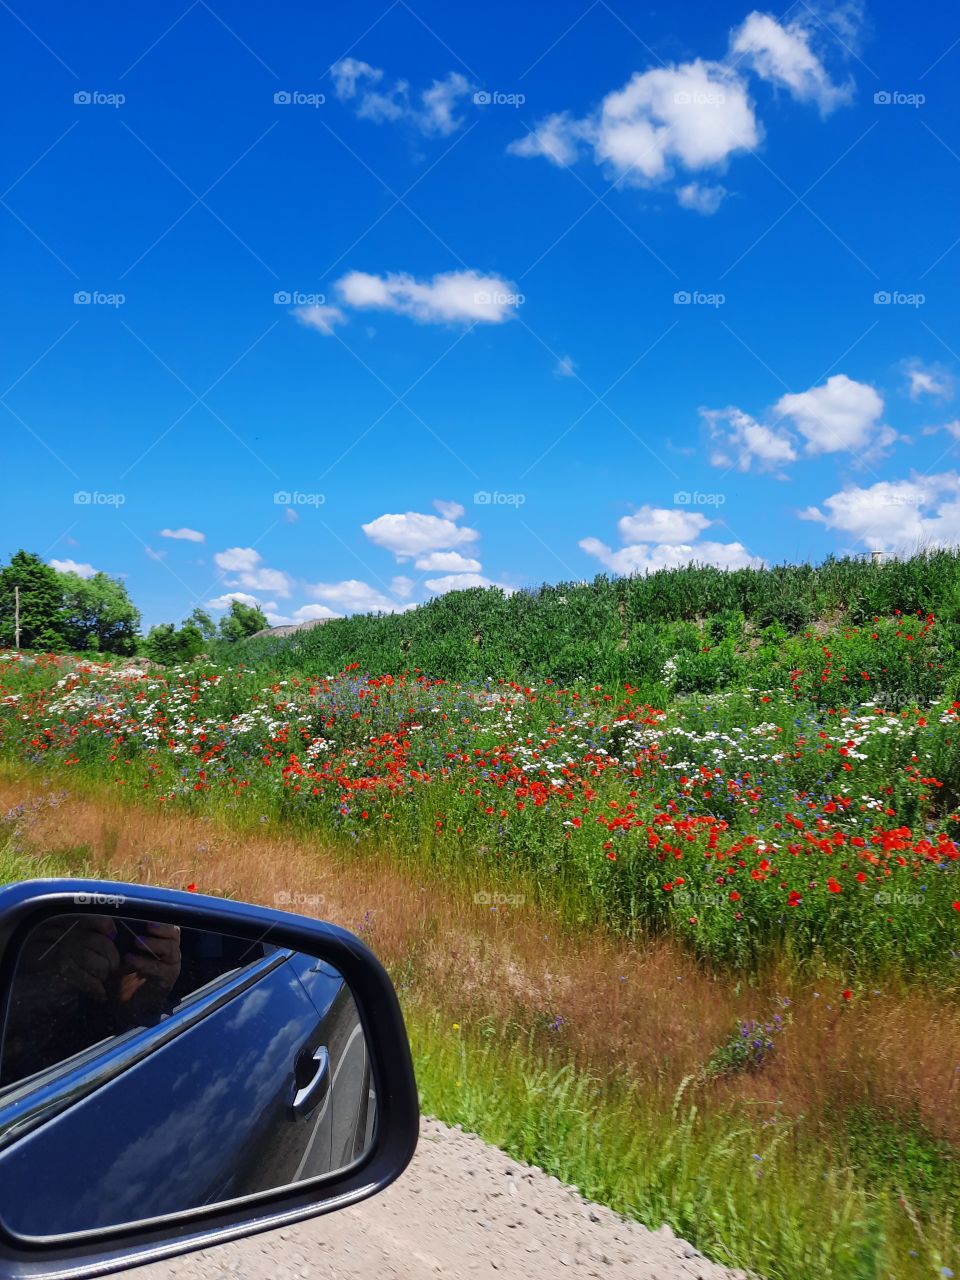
(462, 1209)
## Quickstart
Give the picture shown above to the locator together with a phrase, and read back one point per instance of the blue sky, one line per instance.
(338, 307)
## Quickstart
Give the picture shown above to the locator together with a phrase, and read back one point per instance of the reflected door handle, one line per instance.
(315, 1090)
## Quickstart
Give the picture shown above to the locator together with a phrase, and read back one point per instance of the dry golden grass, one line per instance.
(644, 1010)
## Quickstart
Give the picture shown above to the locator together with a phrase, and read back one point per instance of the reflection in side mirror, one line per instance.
(148, 1069)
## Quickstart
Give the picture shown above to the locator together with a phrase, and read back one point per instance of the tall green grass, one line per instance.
(790, 1200)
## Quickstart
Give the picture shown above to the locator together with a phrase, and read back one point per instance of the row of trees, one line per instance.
(166, 643)
(62, 611)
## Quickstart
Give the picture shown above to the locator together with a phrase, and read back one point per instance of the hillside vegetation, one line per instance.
(695, 629)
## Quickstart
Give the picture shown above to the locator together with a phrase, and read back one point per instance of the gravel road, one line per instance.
(462, 1209)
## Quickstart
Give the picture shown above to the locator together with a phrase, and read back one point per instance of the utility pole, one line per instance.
(16, 617)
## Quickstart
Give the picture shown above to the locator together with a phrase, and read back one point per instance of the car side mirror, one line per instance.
(177, 1071)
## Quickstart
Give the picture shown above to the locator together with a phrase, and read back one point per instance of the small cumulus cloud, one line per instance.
(450, 297)
(321, 317)
(183, 535)
(414, 533)
(433, 111)
(448, 562)
(71, 566)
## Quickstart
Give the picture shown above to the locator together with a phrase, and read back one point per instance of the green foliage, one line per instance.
(748, 1048)
(902, 1156)
(241, 621)
(200, 619)
(64, 611)
(100, 614)
(43, 618)
(716, 628)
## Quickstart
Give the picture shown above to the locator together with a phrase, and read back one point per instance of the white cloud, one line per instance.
(402, 586)
(348, 73)
(901, 515)
(449, 510)
(236, 558)
(291, 516)
(248, 565)
(840, 415)
(154, 555)
(224, 601)
(459, 582)
(272, 580)
(186, 535)
(665, 538)
(661, 524)
(643, 558)
(556, 138)
(782, 54)
(432, 111)
(449, 297)
(745, 443)
(927, 380)
(311, 612)
(951, 428)
(353, 596)
(701, 197)
(440, 101)
(448, 562)
(697, 115)
(693, 116)
(71, 566)
(320, 317)
(413, 534)
(565, 367)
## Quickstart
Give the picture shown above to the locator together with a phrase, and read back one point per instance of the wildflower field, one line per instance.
(743, 822)
(710, 974)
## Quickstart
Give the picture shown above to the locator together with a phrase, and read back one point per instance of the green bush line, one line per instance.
(619, 628)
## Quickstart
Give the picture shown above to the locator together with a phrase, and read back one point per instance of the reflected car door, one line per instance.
(228, 1079)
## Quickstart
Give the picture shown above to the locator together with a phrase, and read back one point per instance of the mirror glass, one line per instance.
(148, 1069)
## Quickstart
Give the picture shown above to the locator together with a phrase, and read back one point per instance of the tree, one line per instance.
(162, 643)
(42, 616)
(190, 639)
(204, 624)
(99, 614)
(242, 621)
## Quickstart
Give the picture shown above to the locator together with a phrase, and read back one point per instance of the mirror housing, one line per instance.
(25, 905)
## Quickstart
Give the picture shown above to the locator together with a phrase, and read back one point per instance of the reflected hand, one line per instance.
(73, 953)
(157, 960)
